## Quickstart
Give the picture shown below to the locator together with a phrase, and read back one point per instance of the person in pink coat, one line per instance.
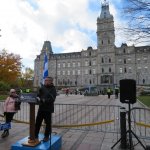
(9, 110)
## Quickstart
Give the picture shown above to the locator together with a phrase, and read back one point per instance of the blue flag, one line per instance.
(45, 67)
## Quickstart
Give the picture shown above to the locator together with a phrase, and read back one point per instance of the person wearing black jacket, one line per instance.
(46, 96)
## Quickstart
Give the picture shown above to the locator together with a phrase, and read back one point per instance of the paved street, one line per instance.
(74, 139)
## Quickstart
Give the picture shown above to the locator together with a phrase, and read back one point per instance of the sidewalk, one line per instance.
(71, 139)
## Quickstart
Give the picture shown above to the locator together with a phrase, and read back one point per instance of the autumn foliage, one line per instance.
(10, 67)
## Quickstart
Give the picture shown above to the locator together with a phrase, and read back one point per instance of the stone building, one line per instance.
(101, 67)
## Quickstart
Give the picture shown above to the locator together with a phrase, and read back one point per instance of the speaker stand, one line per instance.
(130, 132)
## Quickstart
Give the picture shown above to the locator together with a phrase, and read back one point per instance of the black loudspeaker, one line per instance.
(128, 91)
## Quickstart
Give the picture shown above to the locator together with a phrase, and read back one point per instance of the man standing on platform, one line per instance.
(46, 97)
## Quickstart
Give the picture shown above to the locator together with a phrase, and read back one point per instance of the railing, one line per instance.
(102, 118)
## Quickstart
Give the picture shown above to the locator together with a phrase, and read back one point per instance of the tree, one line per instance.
(26, 78)
(10, 67)
(138, 13)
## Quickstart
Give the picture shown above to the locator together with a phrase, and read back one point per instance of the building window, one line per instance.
(73, 72)
(130, 71)
(93, 81)
(90, 72)
(124, 50)
(68, 64)
(63, 72)
(74, 64)
(58, 72)
(93, 62)
(119, 60)
(78, 72)
(102, 70)
(125, 70)
(90, 81)
(146, 69)
(120, 70)
(68, 72)
(58, 65)
(94, 71)
(86, 63)
(102, 42)
(129, 60)
(124, 61)
(145, 59)
(138, 60)
(109, 69)
(63, 65)
(86, 71)
(78, 64)
(104, 14)
(89, 63)
(102, 60)
(109, 60)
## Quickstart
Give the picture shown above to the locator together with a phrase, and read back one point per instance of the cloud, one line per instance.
(69, 25)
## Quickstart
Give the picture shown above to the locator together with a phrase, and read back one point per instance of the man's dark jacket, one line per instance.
(47, 95)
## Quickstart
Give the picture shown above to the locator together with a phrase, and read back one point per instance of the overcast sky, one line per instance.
(70, 25)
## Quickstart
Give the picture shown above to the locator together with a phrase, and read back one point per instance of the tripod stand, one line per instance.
(130, 132)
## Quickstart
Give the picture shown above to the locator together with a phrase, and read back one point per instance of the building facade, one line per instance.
(101, 67)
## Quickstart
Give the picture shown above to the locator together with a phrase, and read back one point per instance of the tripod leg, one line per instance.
(138, 139)
(116, 143)
(51, 133)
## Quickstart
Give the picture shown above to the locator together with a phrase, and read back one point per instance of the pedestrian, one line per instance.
(46, 96)
(108, 92)
(116, 92)
(67, 92)
(10, 109)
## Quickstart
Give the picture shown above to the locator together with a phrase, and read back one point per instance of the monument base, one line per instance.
(56, 143)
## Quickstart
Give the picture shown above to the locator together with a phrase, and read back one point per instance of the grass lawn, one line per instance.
(3, 97)
(145, 100)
